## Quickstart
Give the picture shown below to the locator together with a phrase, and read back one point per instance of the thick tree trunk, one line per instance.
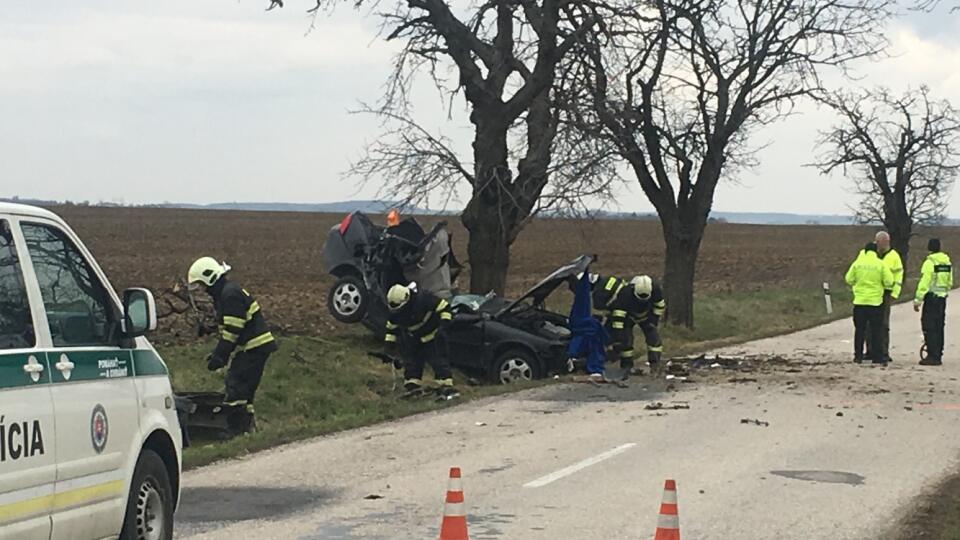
(488, 220)
(683, 247)
(900, 230)
(489, 254)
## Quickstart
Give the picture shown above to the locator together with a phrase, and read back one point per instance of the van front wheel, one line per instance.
(149, 513)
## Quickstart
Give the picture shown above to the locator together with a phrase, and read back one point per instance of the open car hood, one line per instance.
(545, 288)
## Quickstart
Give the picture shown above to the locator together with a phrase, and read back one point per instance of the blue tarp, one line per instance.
(589, 337)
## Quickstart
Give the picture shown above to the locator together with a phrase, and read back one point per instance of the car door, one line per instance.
(94, 394)
(27, 431)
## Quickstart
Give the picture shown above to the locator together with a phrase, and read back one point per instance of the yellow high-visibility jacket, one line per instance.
(936, 277)
(869, 277)
(895, 263)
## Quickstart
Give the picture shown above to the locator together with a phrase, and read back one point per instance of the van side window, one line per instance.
(77, 305)
(16, 323)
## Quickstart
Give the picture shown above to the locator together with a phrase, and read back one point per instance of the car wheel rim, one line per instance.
(151, 515)
(515, 369)
(347, 299)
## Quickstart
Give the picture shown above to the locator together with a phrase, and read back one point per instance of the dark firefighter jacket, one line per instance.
(422, 318)
(242, 326)
(615, 296)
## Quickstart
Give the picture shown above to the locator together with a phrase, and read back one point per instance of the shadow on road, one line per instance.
(242, 503)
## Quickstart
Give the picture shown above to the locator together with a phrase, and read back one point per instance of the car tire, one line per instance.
(515, 365)
(348, 299)
(149, 514)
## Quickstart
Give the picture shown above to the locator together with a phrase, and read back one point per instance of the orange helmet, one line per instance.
(393, 218)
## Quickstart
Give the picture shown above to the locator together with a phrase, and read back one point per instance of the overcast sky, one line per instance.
(218, 101)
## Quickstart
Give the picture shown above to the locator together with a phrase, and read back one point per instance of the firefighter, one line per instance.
(638, 302)
(891, 258)
(414, 325)
(243, 334)
(869, 277)
(936, 280)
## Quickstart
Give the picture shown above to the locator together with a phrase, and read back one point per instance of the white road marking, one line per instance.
(577, 467)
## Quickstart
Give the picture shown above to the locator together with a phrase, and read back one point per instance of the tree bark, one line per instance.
(488, 217)
(489, 253)
(900, 229)
(683, 247)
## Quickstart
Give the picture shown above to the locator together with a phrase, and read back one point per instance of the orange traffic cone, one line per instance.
(454, 526)
(668, 524)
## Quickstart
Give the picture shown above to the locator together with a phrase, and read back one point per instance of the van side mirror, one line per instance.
(139, 313)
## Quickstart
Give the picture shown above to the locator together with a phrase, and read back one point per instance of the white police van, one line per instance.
(90, 444)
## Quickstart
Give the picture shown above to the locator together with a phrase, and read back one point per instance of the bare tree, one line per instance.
(901, 153)
(502, 56)
(679, 87)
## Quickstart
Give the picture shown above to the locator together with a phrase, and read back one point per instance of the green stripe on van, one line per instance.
(92, 365)
(12, 374)
(147, 363)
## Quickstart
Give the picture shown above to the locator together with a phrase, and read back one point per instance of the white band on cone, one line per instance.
(454, 510)
(668, 522)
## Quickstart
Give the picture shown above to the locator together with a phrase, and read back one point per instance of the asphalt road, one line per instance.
(846, 452)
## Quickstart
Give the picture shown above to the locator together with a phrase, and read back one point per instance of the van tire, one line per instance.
(150, 497)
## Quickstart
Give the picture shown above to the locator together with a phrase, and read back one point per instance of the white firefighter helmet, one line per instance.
(397, 297)
(642, 287)
(206, 271)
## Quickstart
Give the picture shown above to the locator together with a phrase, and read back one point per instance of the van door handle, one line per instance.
(33, 368)
(65, 366)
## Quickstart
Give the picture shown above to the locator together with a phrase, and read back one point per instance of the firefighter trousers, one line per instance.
(622, 341)
(417, 355)
(242, 380)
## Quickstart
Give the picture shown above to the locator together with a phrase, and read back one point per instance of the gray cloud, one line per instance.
(219, 101)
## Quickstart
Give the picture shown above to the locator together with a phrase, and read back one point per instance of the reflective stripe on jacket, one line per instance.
(895, 264)
(421, 318)
(936, 276)
(869, 277)
(242, 326)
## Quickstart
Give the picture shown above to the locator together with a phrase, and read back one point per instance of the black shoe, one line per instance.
(879, 362)
(446, 393)
(857, 360)
(931, 362)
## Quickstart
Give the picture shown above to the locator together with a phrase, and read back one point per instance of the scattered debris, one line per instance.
(881, 417)
(908, 408)
(742, 380)
(658, 406)
(373, 497)
(480, 424)
(754, 422)
(839, 413)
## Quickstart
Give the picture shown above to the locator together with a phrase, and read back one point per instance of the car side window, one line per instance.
(78, 307)
(16, 322)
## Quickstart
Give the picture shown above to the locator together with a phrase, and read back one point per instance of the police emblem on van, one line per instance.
(99, 428)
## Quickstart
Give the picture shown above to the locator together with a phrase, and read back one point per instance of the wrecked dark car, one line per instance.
(513, 340)
(367, 259)
(503, 340)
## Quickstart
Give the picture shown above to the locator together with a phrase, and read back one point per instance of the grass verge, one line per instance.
(313, 386)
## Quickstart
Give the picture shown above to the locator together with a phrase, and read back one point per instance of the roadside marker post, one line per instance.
(827, 299)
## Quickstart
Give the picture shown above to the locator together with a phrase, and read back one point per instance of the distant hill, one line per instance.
(379, 207)
(372, 207)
